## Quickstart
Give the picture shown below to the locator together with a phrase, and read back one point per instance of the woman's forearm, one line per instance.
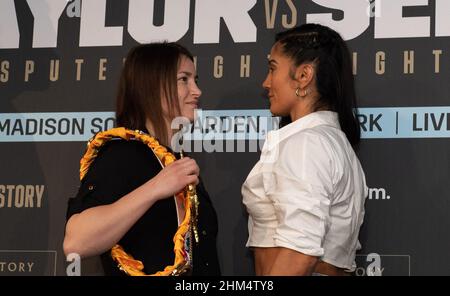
(290, 262)
(97, 229)
(264, 259)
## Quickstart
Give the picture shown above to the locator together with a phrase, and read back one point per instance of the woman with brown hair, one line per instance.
(137, 205)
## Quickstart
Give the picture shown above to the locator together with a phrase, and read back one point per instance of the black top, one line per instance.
(122, 166)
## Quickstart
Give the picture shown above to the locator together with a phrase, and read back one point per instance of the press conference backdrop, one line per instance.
(59, 66)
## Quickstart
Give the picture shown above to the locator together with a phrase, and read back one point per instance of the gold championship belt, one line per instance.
(188, 228)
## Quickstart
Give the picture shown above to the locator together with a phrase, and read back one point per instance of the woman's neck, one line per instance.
(150, 128)
(301, 109)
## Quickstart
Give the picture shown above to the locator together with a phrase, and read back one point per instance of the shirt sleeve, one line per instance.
(116, 171)
(301, 191)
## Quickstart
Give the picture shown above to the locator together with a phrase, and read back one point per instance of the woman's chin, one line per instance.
(279, 110)
(190, 117)
(274, 111)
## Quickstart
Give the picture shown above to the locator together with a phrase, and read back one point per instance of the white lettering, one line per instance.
(442, 19)
(374, 268)
(293, 22)
(142, 29)
(74, 268)
(378, 193)
(389, 21)
(46, 16)
(233, 12)
(74, 9)
(9, 28)
(355, 21)
(392, 24)
(92, 28)
(270, 13)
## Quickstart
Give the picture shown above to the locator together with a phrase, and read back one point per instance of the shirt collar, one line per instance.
(317, 118)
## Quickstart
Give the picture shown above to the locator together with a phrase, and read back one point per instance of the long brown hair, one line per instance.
(148, 77)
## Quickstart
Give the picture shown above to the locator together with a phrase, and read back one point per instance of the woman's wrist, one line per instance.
(151, 192)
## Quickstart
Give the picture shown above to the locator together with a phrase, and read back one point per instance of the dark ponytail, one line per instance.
(313, 43)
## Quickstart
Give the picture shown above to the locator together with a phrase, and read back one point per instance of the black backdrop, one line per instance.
(59, 66)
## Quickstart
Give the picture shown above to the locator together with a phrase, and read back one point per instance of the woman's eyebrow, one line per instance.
(186, 73)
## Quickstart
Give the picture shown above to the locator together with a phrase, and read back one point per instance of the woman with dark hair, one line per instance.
(137, 205)
(305, 197)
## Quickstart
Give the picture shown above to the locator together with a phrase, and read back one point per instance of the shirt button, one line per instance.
(91, 187)
(204, 232)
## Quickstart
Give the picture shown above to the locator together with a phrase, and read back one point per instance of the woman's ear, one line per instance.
(304, 75)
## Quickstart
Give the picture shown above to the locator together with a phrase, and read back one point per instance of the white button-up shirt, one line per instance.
(307, 191)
